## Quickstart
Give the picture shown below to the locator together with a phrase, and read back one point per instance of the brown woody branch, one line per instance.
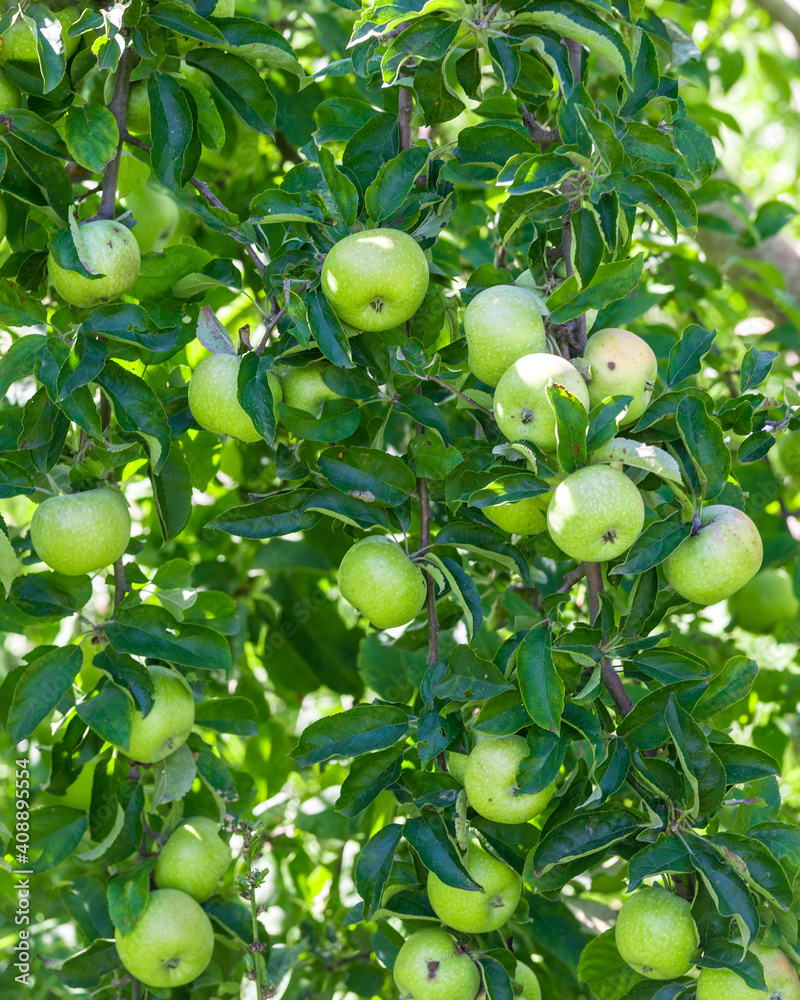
(538, 133)
(119, 109)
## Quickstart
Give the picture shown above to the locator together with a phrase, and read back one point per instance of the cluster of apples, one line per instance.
(431, 964)
(173, 940)
(657, 937)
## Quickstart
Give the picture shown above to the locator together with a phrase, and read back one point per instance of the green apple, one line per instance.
(725, 984)
(519, 517)
(194, 858)
(622, 364)
(766, 601)
(167, 725)
(171, 944)
(432, 966)
(595, 514)
(380, 581)
(19, 42)
(79, 794)
(521, 405)
(9, 93)
(89, 675)
(719, 559)
(501, 324)
(156, 213)
(457, 764)
(785, 455)
(213, 398)
(491, 782)
(526, 977)
(375, 279)
(111, 250)
(477, 912)
(305, 387)
(656, 934)
(81, 532)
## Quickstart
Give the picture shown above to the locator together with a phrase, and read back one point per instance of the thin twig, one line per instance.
(425, 540)
(206, 192)
(405, 111)
(570, 579)
(538, 133)
(121, 586)
(119, 109)
(611, 679)
(452, 388)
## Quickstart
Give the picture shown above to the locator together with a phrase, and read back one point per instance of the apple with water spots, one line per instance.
(77, 533)
(622, 364)
(502, 324)
(193, 859)
(380, 581)
(306, 389)
(477, 912)
(110, 250)
(725, 984)
(167, 725)
(375, 279)
(656, 934)
(431, 965)
(492, 785)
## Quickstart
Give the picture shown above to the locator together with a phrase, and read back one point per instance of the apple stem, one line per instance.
(425, 543)
(135, 990)
(202, 188)
(118, 107)
(472, 402)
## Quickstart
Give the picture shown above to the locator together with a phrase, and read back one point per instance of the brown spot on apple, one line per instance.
(433, 968)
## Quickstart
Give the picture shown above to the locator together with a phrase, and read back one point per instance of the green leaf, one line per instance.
(19, 308)
(91, 135)
(602, 969)
(240, 86)
(342, 189)
(361, 471)
(571, 427)
(540, 683)
(610, 283)
(349, 734)
(50, 48)
(697, 149)
(255, 393)
(128, 895)
(369, 776)
(772, 216)
(702, 767)
(667, 854)
(541, 767)
(730, 685)
(151, 631)
(583, 835)
(470, 678)
(728, 891)
(40, 688)
(705, 442)
(573, 20)
(337, 422)
(176, 151)
(279, 514)
(137, 410)
(428, 835)
(109, 715)
(55, 832)
(178, 17)
(685, 358)
(756, 366)
(744, 764)
(386, 195)
(172, 493)
(753, 861)
(228, 715)
(174, 776)
(656, 542)
(374, 865)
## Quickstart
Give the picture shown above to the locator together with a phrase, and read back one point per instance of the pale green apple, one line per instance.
(785, 456)
(491, 782)
(766, 601)
(501, 325)
(432, 966)
(519, 517)
(656, 934)
(111, 250)
(477, 912)
(595, 514)
(9, 93)
(137, 116)
(305, 387)
(719, 559)
(79, 794)
(526, 977)
(375, 279)
(622, 364)
(779, 975)
(171, 944)
(81, 532)
(521, 405)
(169, 722)
(213, 398)
(194, 859)
(457, 764)
(19, 42)
(156, 213)
(380, 581)
(89, 675)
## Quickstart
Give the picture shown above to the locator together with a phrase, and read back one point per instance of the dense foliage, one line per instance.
(568, 148)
